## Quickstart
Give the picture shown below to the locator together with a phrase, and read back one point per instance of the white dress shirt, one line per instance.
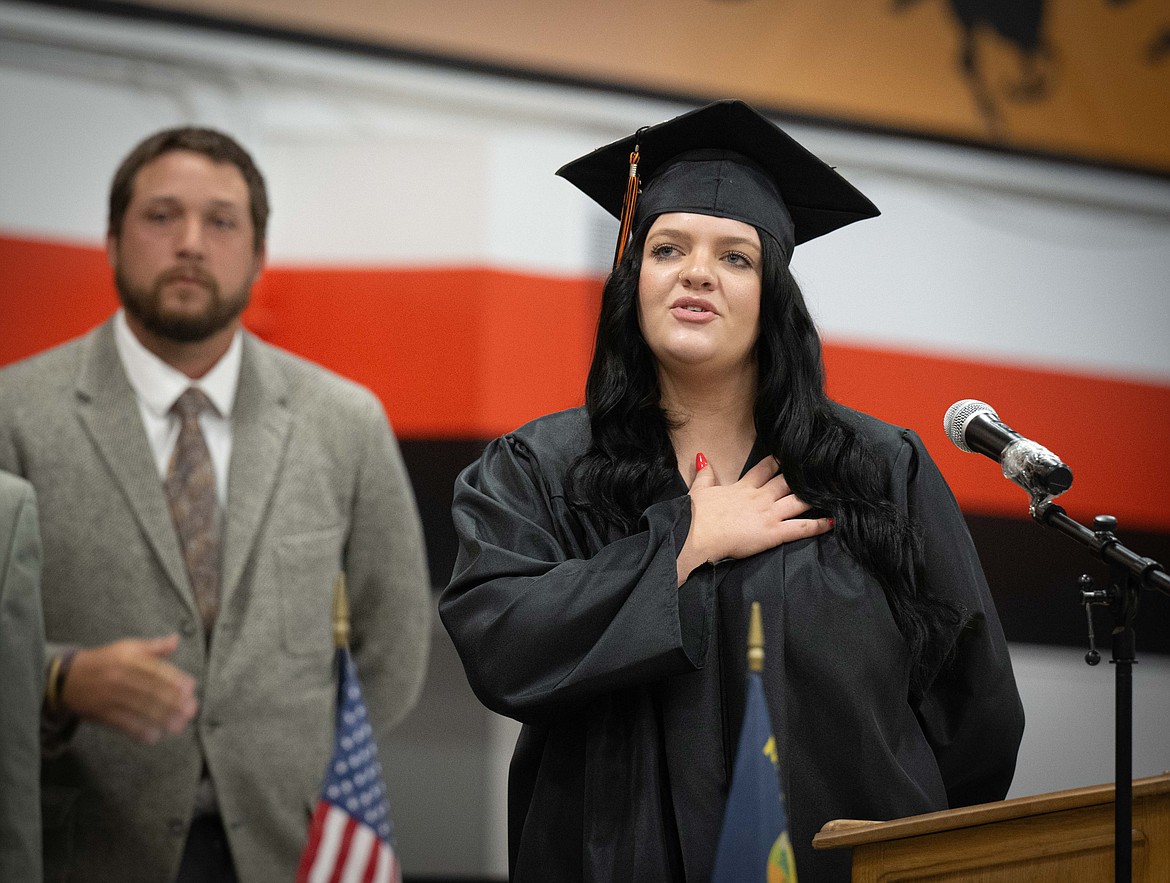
(157, 386)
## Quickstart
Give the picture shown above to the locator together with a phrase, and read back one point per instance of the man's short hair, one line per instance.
(216, 146)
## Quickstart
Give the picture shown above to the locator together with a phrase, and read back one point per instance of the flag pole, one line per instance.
(753, 842)
(350, 825)
(340, 613)
(755, 641)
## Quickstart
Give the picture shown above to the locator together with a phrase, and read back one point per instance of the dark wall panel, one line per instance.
(1033, 570)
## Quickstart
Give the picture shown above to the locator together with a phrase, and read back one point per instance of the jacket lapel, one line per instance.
(260, 429)
(108, 410)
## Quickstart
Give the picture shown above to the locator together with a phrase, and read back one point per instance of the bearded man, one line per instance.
(199, 491)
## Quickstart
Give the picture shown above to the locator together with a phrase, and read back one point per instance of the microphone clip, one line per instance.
(1089, 597)
(1036, 469)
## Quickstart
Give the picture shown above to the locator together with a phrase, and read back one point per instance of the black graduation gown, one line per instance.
(631, 689)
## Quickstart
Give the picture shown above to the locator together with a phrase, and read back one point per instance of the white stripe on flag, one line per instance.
(382, 872)
(331, 835)
(358, 858)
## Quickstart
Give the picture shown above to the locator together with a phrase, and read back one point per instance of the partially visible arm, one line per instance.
(971, 713)
(130, 686)
(538, 625)
(387, 578)
(22, 637)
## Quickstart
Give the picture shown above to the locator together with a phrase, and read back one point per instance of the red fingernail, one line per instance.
(832, 523)
(700, 462)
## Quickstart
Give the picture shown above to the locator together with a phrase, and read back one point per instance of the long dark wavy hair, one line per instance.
(827, 464)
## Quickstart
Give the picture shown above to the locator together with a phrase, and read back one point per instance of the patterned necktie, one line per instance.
(190, 489)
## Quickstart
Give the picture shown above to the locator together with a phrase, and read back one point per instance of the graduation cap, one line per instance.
(726, 160)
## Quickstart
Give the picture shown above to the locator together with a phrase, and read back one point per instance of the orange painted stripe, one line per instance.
(49, 293)
(472, 353)
(1114, 434)
(454, 353)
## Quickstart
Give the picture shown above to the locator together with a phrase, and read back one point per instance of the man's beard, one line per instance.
(145, 305)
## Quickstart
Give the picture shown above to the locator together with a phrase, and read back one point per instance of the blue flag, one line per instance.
(754, 844)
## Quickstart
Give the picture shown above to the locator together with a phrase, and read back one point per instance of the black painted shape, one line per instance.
(1034, 571)
(433, 465)
(1021, 24)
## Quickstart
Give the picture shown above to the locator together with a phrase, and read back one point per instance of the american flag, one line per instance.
(351, 839)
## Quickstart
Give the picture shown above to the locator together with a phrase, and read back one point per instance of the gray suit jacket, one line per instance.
(22, 642)
(316, 484)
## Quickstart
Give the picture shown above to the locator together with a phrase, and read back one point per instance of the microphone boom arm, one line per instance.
(1104, 546)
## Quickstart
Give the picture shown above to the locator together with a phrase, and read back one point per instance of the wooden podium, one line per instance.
(1062, 836)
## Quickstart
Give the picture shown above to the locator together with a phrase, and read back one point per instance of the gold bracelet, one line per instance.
(59, 667)
(51, 683)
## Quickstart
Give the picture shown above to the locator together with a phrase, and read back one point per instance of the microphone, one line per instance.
(974, 427)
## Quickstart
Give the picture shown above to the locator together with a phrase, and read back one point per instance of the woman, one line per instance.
(609, 554)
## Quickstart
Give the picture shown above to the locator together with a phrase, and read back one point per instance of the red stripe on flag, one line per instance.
(313, 843)
(377, 854)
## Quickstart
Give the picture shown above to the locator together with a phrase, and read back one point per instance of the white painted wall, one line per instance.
(1069, 733)
(374, 162)
(401, 165)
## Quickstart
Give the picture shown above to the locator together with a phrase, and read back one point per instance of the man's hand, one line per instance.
(129, 685)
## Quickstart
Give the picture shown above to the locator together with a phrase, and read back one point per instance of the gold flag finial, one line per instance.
(340, 613)
(755, 655)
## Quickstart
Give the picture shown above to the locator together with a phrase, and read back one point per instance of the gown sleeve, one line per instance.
(542, 625)
(971, 712)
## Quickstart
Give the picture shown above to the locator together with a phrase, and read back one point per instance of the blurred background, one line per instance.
(421, 244)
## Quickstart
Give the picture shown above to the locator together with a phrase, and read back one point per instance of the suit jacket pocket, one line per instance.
(307, 567)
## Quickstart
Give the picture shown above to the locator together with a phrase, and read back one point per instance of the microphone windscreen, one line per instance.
(959, 415)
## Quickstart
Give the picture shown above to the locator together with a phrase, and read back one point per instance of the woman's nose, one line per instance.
(696, 273)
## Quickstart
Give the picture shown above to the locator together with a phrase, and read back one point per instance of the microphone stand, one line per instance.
(1129, 573)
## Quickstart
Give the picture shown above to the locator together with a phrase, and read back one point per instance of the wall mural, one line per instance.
(1081, 79)
(1022, 25)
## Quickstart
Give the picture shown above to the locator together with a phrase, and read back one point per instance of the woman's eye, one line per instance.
(739, 259)
(222, 223)
(664, 251)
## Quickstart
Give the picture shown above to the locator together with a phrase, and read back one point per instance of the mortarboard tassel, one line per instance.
(628, 204)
